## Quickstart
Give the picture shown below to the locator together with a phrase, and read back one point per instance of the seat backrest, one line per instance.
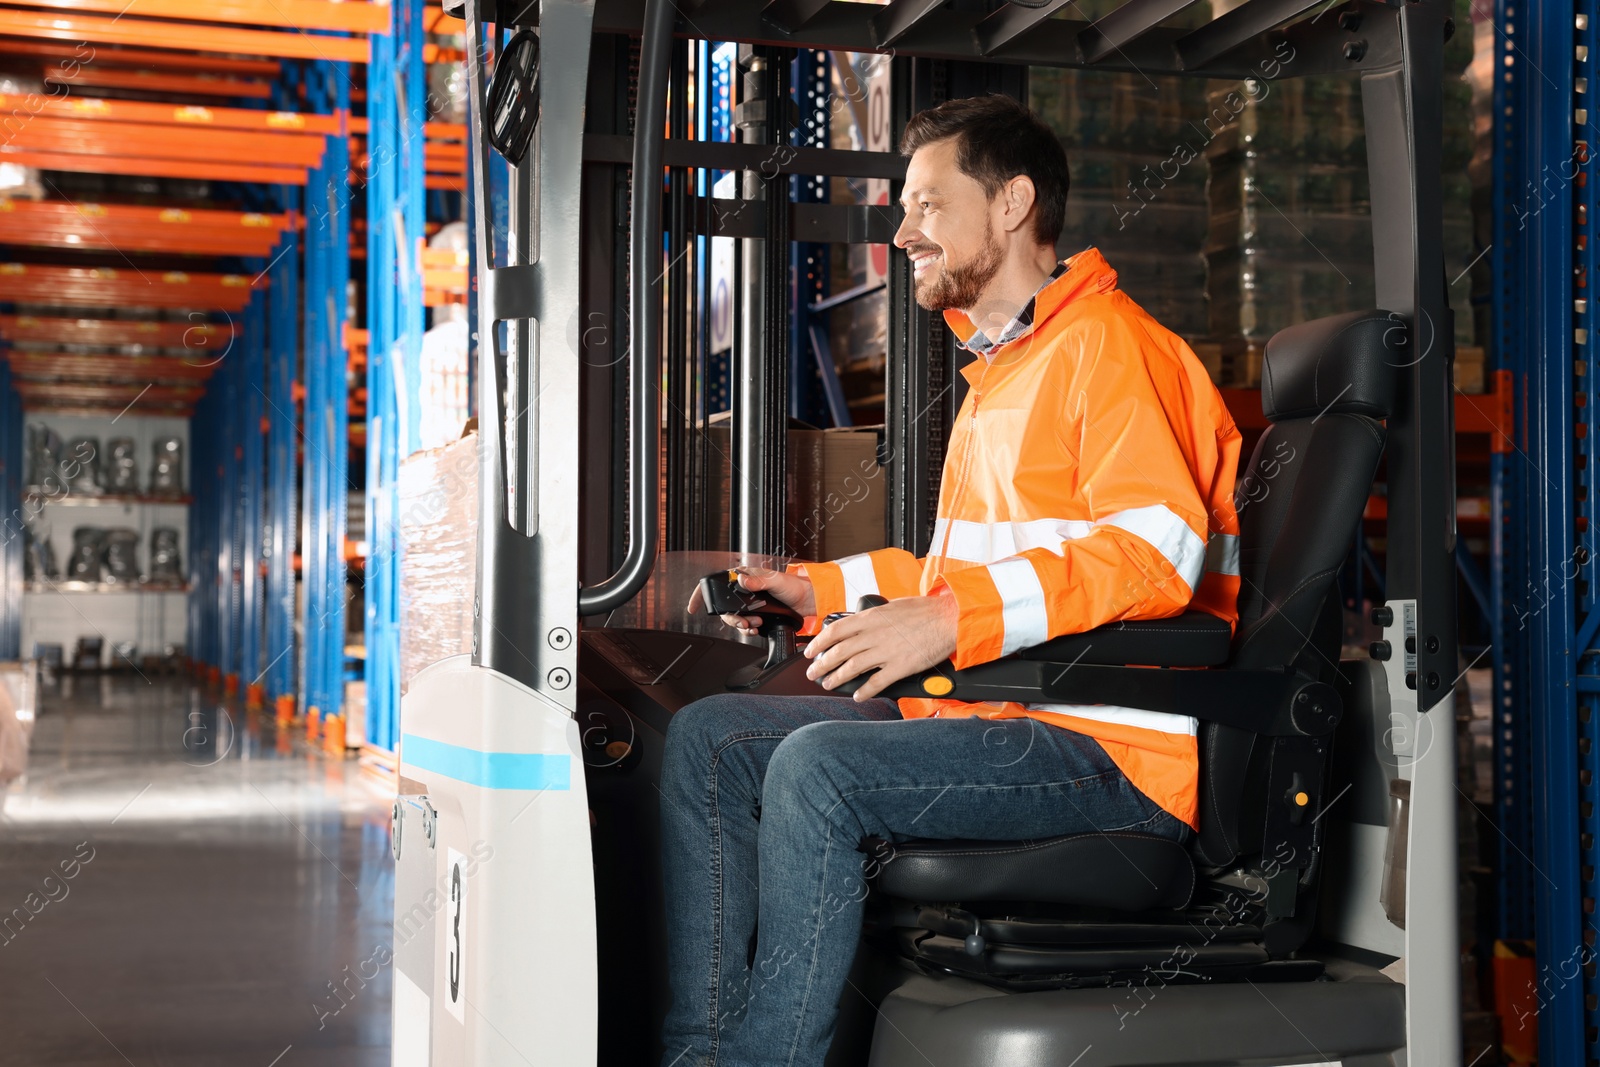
(1325, 385)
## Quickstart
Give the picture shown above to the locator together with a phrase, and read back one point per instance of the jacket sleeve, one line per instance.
(1145, 551)
(888, 572)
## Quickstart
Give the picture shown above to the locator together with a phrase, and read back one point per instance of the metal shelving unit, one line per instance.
(1546, 601)
(103, 587)
(325, 480)
(107, 500)
(263, 371)
(396, 218)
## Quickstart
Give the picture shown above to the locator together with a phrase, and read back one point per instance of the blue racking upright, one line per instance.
(1546, 598)
(223, 446)
(206, 427)
(283, 436)
(325, 478)
(1509, 546)
(11, 544)
(809, 261)
(397, 110)
(248, 501)
(228, 482)
(717, 125)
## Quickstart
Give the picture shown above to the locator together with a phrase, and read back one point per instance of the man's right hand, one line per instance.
(787, 589)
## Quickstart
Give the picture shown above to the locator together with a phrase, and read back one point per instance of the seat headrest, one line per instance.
(1343, 363)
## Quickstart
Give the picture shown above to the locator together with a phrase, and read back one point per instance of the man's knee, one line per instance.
(806, 767)
(699, 729)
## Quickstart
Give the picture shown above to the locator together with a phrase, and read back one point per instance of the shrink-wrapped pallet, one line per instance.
(18, 696)
(438, 563)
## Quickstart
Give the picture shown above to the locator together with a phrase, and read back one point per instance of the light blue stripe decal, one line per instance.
(488, 770)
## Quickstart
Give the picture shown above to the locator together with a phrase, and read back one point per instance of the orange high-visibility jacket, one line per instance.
(1089, 479)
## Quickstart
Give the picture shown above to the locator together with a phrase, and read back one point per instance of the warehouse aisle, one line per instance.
(179, 886)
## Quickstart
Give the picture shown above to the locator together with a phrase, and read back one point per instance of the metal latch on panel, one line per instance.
(430, 824)
(396, 823)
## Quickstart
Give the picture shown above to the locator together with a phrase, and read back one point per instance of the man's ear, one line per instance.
(1017, 197)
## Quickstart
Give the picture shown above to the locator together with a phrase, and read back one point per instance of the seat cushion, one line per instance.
(1120, 870)
(1193, 639)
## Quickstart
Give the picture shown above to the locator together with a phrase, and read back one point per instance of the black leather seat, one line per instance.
(1134, 872)
(1086, 908)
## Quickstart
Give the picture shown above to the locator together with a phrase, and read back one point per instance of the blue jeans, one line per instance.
(764, 802)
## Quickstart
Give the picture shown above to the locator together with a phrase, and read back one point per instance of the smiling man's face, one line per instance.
(948, 231)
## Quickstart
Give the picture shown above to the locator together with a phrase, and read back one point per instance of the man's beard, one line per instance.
(961, 286)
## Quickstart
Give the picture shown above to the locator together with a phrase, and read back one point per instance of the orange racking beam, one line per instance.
(20, 109)
(205, 337)
(444, 157)
(434, 20)
(46, 133)
(101, 287)
(450, 183)
(157, 168)
(443, 269)
(178, 242)
(49, 212)
(433, 131)
(118, 393)
(176, 411)
(182, 35)
(57, 367)
(352, 16)
(150, 81)
(144, 57)
(131, 227)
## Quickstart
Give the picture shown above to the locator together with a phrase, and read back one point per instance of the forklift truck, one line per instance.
(1313, 918)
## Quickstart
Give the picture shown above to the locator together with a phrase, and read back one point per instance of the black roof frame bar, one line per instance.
(1225, 33)
(1122, 26)
(843, 25)
(790, 16)
(1013, 22)
(895, 21)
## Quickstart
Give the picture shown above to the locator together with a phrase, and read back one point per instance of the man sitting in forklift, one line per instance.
(1089, 479)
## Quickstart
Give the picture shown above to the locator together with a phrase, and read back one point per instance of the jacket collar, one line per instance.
(1087, 274)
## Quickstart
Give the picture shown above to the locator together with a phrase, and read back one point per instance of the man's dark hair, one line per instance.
(1000, 140)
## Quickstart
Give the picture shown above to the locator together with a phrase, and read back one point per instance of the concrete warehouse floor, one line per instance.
(180, 887)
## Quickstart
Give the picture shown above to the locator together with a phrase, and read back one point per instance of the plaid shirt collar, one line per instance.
(980, 345)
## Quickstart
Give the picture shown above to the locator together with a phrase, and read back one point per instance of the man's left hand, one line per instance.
(899, 638)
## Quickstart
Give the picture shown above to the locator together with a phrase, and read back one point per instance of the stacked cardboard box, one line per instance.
(1470, 374)
(836, 491)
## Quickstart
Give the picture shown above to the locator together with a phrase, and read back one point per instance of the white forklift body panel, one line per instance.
(494, 940)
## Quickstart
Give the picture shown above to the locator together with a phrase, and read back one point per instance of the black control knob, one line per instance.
(1411, 644)
(1380, 650)
(1411, 679)
(1383, 615)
